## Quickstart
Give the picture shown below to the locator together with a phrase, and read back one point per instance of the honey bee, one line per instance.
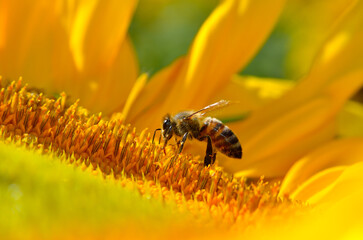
(189, 124)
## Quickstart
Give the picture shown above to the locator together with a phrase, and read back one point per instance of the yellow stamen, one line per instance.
(115, 149)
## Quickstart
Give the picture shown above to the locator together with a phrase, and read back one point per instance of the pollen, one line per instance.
(115, 150)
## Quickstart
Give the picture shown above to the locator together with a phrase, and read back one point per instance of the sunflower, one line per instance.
(288, 130)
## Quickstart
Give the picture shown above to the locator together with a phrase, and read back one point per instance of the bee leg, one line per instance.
(214, 157)
(177, 142)
(182, 142)
(210, 156)
(158, 129)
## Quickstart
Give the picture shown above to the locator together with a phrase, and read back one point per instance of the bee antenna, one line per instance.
(158, 129)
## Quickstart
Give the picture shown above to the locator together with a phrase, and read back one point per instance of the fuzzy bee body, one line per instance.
(189, 124)
(222, 137)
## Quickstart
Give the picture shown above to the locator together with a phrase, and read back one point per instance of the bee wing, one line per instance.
(212, 107)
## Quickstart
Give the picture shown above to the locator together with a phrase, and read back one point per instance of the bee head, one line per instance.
(167, 128)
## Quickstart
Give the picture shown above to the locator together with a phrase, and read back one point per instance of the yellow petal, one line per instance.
(335, 216)
(268, 88)
(78, 47)
(339, 56)
(139, 85)
(23, 28)
(331, 185)
(308, 24)
(341, 217)
(152, 96)
(271, 150)
(109, 89)
(97, 31)
(225, 43)
(3, 24)
(287, 123)
(336, 153)
(105, 62)
(317, 183)
(248, 93)
(348, 183)
(350, 120)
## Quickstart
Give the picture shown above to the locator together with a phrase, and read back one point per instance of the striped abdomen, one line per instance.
(222, 137)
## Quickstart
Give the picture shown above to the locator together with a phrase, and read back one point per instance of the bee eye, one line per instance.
(166, 123)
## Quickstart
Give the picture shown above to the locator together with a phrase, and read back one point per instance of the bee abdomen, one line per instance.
(222, 137)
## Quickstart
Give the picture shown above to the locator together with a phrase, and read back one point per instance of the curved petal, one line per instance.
(106, 63)
(248, 93)
(335, 215)
(308, 25)
(226, 42)
(98, 29)
(311, 105)
(347, 184)
(317, 183)
(331, 185)
(139, 85)
(337, 153)
(350, 120)
(152, 96)
(270, 152)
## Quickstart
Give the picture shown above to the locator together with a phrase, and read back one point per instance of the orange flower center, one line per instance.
(115, 149)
